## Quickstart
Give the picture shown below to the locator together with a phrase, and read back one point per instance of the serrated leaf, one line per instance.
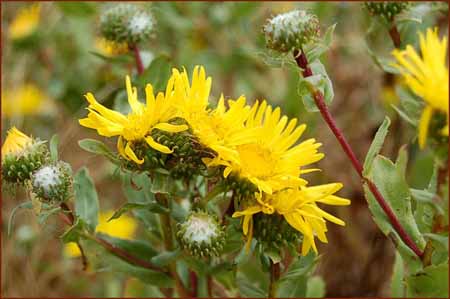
(165, 258)
(315, 287)
(54, 148)
(377, 144)
(319, 81)
(432, 282)
(152, 207)
(99, 148)
(24, 205)
(86, 199)
(397, 284)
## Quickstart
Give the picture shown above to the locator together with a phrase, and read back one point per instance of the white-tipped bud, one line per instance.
(52, 182)
(291, 30)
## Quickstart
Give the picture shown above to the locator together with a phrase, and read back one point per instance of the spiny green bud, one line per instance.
(21, 156)
(53, 182)
(127, 23)
(387, 10)
(292, 30)
(201, 234)
(243, 188)
(272, 231)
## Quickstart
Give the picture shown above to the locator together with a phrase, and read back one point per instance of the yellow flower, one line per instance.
(299, 208)
(15, 143)
(427, 77)
(110, 48)
(25, 22)
(139, 123)
(269, 159)
(28, 99)
(123, 227)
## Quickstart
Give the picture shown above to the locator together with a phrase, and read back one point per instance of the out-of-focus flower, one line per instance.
(139, 123)
(110, 48)
(123, 227)
(427, 77)
(25, 100)
(299, 208)
(25, 22)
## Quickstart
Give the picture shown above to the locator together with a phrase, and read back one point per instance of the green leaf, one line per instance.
(24, 205)
(161, 183)
(319, 81)
(376, 145)
(315, 287)
(293, 283)
(248, 289)
(157, 73)
(432, 282)
(383, 63)
(391, 183)
(397, 284)
(77, 9)
(86, 199)
(152, 207)
(99, 148)
(43, 216)
(54, 148)
(165, 258)
(139, 248)
(315, 50)
(75, 232)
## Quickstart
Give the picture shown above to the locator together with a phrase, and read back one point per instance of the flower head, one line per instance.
(267, 155)
(25, 22)
(427, 77)
(52, 182)
(124, 227)
(21, 155)
(386, 9)
(139, 123)
(299, 207)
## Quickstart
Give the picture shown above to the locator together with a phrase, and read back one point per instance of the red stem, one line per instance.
(302, 62)
(395, 36)
(137, 56)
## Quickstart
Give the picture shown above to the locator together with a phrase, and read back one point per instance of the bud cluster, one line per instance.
(272, 231)
(292, 30)
(201, 234)
(243, 188)
(127, 23)
(387, 10)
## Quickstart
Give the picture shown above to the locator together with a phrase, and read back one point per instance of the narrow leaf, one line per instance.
(86, 199)
(54, 148)
(377, 144)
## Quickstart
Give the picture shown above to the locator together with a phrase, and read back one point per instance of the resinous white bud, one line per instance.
(52, 182)
(291, 31)
(201, 234)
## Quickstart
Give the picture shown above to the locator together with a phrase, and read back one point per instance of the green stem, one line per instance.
(274, 277)
(166, 226)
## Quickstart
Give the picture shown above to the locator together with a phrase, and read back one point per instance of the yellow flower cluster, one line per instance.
(427, 77)
(255, 143)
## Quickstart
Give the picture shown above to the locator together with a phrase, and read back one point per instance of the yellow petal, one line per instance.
(159, 147)
(130, 154)
(423, 125)
(171, 128)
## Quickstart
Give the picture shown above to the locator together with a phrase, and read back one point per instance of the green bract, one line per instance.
(292, 30)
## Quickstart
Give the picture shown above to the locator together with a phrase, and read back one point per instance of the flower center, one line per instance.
(257, 160)
(136, 128)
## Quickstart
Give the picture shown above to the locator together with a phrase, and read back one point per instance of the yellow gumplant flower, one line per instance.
(139, 123)
(123, 228)
(270, 159)
(427, 77)
(26, 100)
(15, 143)
(299, 207)
(25, 22)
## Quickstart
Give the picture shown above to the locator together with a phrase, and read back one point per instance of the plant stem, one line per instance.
(302, 62)
(274, 277)
(137, 56)
(166, 226)
(395, 36)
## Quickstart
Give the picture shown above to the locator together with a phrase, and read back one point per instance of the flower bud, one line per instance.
(21, 156)
(53, 182)
(201, 234)
(272, 231)
(127, 23)
(387, 10)
(292, 30)
(243, 188)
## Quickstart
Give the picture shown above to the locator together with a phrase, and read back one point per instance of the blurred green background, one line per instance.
(47, 70)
